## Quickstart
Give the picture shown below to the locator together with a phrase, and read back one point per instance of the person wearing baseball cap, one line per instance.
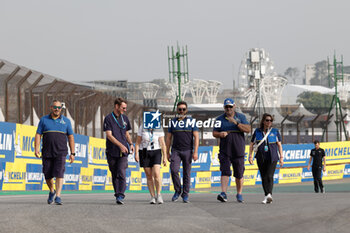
(232, 147)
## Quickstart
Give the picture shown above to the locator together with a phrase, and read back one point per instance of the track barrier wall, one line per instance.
(20, 170)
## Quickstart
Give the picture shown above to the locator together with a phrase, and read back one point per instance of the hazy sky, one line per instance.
(95, 40)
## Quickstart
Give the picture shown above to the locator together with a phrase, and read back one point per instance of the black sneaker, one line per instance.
(222, 197)
(120, 200)
(175, 197)
(185, 199)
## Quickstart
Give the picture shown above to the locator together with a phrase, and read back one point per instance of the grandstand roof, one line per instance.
(291, 92)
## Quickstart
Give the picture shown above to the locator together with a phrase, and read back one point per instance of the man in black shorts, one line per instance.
(54, 128)
(316, 156)
(232, 147)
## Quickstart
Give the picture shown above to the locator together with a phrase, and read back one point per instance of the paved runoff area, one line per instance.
(295, 208)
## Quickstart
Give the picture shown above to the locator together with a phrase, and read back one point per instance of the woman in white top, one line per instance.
(149, 148)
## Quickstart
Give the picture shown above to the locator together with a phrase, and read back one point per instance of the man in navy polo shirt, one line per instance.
(232, 147)
(185, 137)
(118, 146)
(54, 128)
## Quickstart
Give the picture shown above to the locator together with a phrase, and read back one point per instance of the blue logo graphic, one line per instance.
(151, 120)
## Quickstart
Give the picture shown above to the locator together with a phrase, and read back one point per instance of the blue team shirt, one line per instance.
(182, 131)
(54, 133)
(233, 145)
(271, 141)
(119, 126)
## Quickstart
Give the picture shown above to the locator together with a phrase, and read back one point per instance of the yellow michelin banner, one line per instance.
(291, 175)
(335, 172)
(20, 170)
(337, 152)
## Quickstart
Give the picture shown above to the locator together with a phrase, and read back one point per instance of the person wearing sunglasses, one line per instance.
(184, 138)
(232, 147)
(268, 153)
(54, 130)
(118, 147)
(149, 148)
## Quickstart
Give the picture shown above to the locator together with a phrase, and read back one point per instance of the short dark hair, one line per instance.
(119, 101)
(180, 103)
(55, 101)
(316, 141)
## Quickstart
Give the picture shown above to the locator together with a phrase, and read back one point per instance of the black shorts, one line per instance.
(150, 158)
(237, 164)
(54, 167)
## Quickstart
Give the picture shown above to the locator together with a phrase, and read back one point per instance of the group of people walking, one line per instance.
(180, 145)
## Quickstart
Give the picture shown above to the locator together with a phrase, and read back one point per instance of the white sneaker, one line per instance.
(153, 200)
(269, 198)
(160, 199)
(265, 200)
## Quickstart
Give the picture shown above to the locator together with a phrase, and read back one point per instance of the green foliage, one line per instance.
(321, 75)
(315, 102)
(292, 73)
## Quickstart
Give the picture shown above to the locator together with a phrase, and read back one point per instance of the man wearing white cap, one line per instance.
(232, 147)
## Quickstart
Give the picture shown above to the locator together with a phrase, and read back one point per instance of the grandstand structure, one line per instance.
(26, 94)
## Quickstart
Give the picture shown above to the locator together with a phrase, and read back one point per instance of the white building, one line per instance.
(310, 71)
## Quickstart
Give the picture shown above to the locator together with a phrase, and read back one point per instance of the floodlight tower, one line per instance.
(256, 70)
(178, 69)
(259, 84)
(333, 75)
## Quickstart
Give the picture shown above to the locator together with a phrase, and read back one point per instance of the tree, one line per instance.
(321, 75)
(292, 74)
(315, 102)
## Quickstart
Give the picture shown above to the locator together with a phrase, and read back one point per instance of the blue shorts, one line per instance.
(237, 165)
(54, 167)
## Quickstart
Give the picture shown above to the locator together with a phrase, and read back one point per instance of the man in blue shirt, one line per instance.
(232, 147)
(54, 129)
(118, 146)
(185, 137)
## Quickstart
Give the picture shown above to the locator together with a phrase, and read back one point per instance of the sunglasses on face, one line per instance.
(228, 106)
(56, 107)
(181, 109)
(268, 120)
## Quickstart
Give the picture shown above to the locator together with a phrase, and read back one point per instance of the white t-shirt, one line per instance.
(147, 137)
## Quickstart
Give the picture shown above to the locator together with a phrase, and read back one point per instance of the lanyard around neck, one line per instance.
(266, 135)
(150, 134)
(121, 115)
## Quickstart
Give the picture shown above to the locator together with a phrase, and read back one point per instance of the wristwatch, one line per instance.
(72, 154)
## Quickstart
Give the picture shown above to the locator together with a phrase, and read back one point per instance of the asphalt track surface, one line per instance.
(295, 209)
